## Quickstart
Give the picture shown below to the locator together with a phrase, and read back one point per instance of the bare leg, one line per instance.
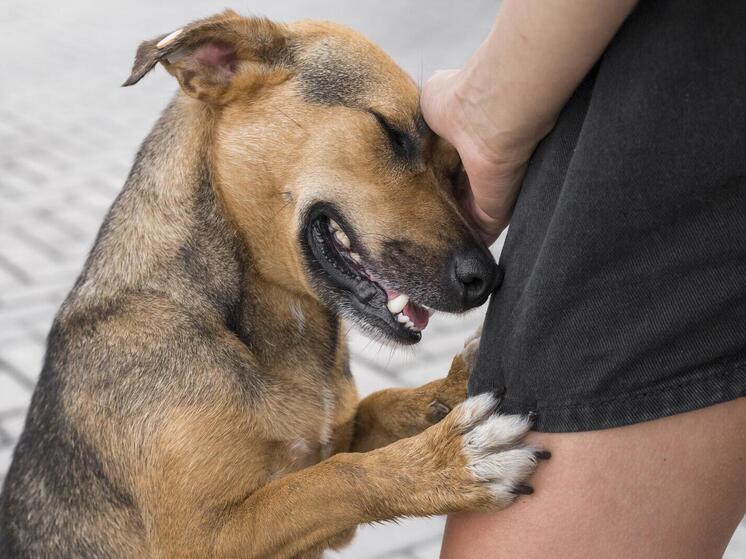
(671, 488)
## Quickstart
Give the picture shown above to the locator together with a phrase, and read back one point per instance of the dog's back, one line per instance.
(56, 494)
(115, 358)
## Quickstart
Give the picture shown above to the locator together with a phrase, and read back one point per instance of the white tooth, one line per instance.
(342, 239)
(403, 318)
(334, 225)
(410, 325)
(397, 304)
(356, 257)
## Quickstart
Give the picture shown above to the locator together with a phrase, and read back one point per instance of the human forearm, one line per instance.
(534, 57)
(507, 97)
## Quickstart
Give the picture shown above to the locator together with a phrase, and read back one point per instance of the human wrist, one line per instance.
(499, 121)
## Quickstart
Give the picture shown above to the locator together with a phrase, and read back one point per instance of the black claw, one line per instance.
(438, 410)
(543, 454)
(522, 489)
(532, 415)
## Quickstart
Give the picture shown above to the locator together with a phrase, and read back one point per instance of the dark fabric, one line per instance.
(624, 298)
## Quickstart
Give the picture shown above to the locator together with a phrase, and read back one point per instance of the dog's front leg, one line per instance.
(473, 460)
(395, 413)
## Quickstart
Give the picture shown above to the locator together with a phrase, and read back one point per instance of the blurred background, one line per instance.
(68, 135)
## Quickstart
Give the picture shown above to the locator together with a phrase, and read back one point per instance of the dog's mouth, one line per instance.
(335, 258)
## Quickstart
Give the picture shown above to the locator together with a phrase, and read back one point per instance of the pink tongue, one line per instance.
(416, 313)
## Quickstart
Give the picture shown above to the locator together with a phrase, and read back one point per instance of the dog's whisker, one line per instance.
(298, 124)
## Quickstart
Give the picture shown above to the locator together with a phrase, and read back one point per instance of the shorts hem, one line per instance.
(694, 392)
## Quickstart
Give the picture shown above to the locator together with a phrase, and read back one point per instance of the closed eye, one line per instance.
(401, 143)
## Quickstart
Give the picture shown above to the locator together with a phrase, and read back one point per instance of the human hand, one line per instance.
(494, 158)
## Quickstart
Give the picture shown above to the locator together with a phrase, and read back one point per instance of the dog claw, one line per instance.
(522, 489)
(438, 410)
(543, 454)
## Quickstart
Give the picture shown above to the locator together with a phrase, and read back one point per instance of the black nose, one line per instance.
(474, 275)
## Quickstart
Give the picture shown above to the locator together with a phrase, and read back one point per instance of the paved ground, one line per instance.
(68, 135)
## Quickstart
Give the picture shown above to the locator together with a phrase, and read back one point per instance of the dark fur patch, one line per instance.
(212, 240)
(34, 487)
(329, 79)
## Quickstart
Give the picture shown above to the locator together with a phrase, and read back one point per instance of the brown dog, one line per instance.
(196, 399)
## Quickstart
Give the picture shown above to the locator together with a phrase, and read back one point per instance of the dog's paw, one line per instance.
(496, 463)
(451, 390)
(495, 455)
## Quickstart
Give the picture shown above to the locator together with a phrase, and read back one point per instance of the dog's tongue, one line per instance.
(418, 315)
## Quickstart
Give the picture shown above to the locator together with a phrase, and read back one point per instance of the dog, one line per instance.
(196, 398)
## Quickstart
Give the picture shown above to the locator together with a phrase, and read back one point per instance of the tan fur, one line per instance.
(250, 442)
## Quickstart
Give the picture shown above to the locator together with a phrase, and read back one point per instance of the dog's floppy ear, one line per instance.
(214, 56)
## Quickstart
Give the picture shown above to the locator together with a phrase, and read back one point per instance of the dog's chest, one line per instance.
(302, 453)
(312, 389)
(317, 419)
(313, 440)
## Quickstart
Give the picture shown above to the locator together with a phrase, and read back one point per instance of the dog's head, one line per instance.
(326, 165)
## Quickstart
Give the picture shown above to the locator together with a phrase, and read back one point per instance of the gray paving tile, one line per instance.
(13, 394)
(389, 539)
(426, 550)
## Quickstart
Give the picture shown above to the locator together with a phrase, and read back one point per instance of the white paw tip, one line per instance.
(505, 470)
(476, 408)
(498, 432)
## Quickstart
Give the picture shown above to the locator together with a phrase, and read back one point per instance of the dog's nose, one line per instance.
(474, 275)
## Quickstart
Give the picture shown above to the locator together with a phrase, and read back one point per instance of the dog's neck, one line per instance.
(169, 232)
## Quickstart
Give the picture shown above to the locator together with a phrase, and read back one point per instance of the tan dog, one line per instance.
(196, 399)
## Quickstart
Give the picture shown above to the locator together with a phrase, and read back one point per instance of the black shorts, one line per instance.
(624, 298)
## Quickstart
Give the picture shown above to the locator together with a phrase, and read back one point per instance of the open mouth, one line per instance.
(335, 257)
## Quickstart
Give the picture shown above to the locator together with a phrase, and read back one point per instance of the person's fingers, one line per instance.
(490, 195)
(489, 229)
(493, 180)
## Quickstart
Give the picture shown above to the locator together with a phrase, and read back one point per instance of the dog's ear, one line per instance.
(218, 55)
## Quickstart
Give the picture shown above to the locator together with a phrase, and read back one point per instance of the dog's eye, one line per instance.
(401, 143)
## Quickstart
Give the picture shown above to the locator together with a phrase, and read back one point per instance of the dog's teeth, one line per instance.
(356, 257)
(342, 238)
(334, 225)
(397, 304)
(402, 318)
(410, 325)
